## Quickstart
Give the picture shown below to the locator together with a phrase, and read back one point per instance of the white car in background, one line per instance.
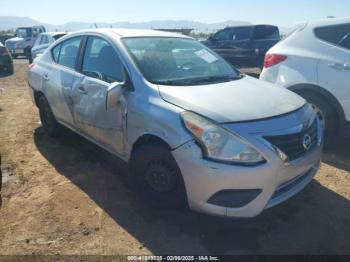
(43, 42)
(314, 62)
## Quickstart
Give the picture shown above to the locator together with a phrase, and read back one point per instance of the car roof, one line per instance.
(328, 21)
(122, 32)
(53, 33)
(236, 26)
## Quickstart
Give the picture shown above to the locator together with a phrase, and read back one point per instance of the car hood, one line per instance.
(236, 101)
(15, 40)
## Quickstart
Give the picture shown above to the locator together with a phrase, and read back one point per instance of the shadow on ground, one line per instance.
(314, 222)
(5, 74)
(338, 154)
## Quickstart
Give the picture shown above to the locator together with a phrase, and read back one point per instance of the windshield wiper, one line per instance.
(201, 80)
(215, 79)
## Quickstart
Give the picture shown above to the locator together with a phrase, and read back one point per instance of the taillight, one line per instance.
(273, 59)
(5, 52)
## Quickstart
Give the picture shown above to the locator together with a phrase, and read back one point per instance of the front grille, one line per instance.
(289, 185)
(293, 145)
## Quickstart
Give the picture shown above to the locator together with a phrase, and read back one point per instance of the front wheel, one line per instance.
(156, 176)
(48, 121)
(326, 112)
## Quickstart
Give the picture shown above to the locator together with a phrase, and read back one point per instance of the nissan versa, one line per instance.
(194, 130)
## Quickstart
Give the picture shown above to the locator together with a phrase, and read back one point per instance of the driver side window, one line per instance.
(224, 35)
(101, 61)
(37, 41)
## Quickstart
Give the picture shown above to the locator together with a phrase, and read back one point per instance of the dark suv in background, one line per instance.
(6, 63)
(244, 46)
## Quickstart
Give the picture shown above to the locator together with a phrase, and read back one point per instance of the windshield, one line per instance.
(178, 61)
(56, 37)
(24, 32)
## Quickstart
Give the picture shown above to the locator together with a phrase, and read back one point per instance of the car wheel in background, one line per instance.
(10, 70)
(30, 59)
(326, 112)
(48, 121)
(27, 53)
(156, 176)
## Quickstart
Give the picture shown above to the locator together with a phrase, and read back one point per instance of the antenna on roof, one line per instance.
(95, 25)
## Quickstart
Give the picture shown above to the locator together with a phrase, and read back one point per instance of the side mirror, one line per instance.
(114, 93)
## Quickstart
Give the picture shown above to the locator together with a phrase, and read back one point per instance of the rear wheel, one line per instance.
(156, 176)
(326, 112)
(30, 59)
(27, 53)
(48, 121)
(10, 70)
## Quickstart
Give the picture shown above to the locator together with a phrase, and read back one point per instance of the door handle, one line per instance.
(346, 66)
(339, 67)
(82, 90)
(46, 77)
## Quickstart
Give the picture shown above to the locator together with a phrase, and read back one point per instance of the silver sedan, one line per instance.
(194, 130)
(43, 41)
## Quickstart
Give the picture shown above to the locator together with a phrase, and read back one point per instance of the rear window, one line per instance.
(335, 34)
(44, 40)
(266, 33)
(66, 53)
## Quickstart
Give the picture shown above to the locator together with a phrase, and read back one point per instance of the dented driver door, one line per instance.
(91, 116)
(100, 67)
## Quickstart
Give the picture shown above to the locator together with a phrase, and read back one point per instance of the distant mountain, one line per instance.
(12, 22)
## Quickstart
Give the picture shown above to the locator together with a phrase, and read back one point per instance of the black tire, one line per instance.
(327, 114)
(30, 59)
(27, 53)
(48, 121)
(10, 70)
(156, 176)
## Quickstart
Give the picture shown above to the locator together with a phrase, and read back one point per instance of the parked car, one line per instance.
(43, 42)
(24, 40)
(6, 63)
(244, 45)
(193, 129)
(314, 62)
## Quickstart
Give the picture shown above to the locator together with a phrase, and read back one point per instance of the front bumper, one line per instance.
(274, 181)
(17, 51)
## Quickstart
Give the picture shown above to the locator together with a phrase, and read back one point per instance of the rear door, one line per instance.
(58, 79)
(241, 43)
(221, 42)
(334, 68)
(234, 44)
(100, 67)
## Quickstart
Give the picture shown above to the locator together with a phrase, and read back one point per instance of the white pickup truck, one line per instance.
(22, 43)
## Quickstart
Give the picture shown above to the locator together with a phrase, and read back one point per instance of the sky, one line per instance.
(279, 12)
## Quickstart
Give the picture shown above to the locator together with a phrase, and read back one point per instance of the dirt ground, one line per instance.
(66, 196)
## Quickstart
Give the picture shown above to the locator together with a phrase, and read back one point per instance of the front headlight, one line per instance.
(218, 143)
